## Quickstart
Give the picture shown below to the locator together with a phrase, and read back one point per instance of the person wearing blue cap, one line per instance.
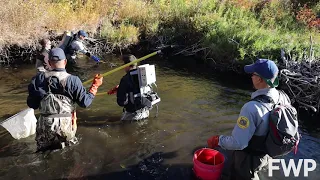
(247, 140)
(77, 46)
(55, 93)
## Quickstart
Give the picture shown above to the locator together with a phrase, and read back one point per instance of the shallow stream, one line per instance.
(193, 107)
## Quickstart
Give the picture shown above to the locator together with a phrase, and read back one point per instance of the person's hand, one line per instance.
(95, 58)
(113, 90)
(213, 141)
(97, 81)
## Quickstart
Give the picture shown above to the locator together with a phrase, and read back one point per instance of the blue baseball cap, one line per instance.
(56, 54)
(266, 69)
(82, 33)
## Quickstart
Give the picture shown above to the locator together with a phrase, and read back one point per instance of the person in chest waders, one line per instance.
(55, 94)
(128, 93)
(247, 142)
(42, 57)
(75, 47)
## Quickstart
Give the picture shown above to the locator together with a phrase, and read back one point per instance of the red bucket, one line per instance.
(208, 164)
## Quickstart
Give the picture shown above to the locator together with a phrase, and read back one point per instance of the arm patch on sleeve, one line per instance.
(243, 122)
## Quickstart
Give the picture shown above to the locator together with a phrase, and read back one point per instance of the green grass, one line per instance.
(240, 30)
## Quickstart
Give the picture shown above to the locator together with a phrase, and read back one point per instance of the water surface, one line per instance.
(193, 107)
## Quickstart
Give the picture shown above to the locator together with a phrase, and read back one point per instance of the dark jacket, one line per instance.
(129, 83)
(74, 89)
(40, 58)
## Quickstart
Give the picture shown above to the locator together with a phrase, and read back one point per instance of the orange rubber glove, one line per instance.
(74, 121)
(213, 142)
(97, 81)
(113, 90)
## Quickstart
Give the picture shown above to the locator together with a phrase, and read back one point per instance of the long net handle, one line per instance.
(125, 65)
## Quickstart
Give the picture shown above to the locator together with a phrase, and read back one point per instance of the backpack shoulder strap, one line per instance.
(62, 77)
(263, 100)
(73, 37)
(134, 86)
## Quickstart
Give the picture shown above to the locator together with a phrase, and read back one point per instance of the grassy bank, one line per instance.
(218, 30)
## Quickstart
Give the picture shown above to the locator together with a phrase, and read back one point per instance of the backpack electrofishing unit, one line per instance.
(147, 77)
(67, 38)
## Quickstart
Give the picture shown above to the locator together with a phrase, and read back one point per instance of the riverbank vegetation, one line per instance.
(217, 30)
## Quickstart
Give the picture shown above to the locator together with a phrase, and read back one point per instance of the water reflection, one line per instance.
(193, 108)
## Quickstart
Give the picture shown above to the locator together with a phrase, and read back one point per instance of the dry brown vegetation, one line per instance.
(219, 27)
(23, 22)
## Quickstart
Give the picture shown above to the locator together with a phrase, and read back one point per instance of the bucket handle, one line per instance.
(214, 157)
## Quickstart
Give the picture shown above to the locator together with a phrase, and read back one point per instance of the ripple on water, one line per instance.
(192, 109)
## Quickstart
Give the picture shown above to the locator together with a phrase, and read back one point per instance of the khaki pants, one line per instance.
(244, 166)
(138, 115)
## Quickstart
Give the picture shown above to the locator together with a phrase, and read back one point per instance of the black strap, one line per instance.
(50, 82)
(263, 100)
(73, 37)
(266, 99)
(68, 49)
(135, 86)
(251, 164)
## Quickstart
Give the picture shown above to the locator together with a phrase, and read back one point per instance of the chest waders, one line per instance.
(56, 127)
(141, 111)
